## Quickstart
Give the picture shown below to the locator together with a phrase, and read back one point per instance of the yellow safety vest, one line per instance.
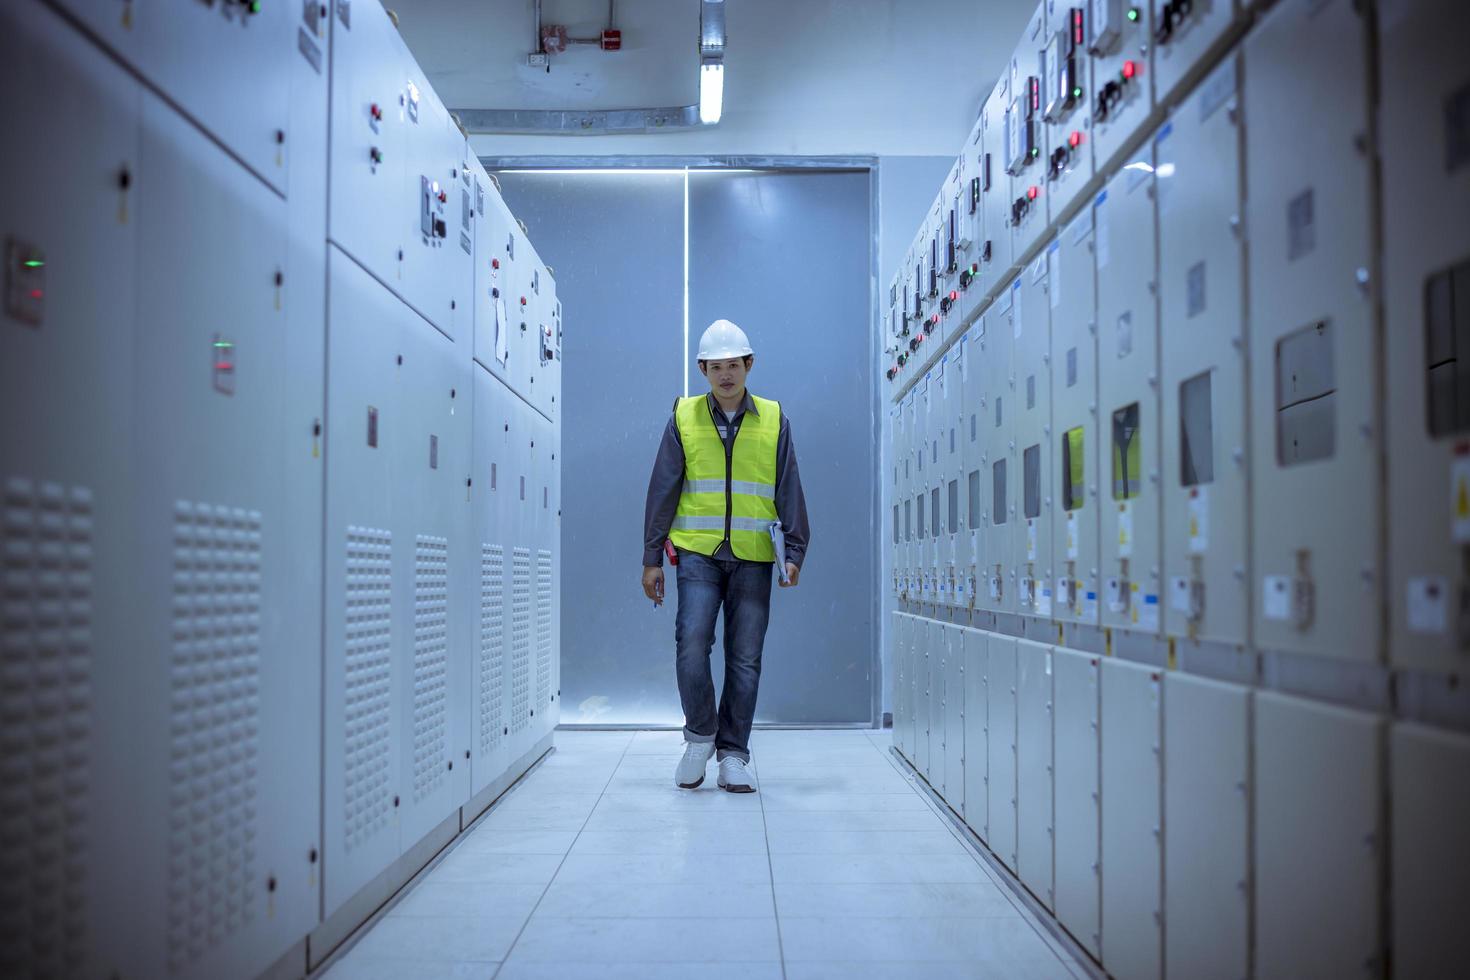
(732, 496)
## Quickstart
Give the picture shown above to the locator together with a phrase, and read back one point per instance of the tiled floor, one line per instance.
(596, 865)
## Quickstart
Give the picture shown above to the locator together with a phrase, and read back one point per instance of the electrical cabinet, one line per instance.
(998, 476)
(938, 708)
(911, 655)
(1313, 339)
(1066, 106)
(499, 345)
(1128, 395)
(1319, 838)
(491, 750)
(1426, 307)
(995, 188)
(1203, 354)
(907, 561)
(950, 402)
(431, 476)
(282, 49)
(1119, 40)
(972, 556)
(927, 504)
(66, 486)
(399, 204)
(923, 652)
(1206, 828)
(1430, 790)
(1186, 34)
(364, 688)
(1035, 825)
(1132, 831)
(954, 719)
(972, 281)
(1026, 130)
(1001, 745)
(1031, 538)
(1077, 431)
(1075, 683)
(977, 729)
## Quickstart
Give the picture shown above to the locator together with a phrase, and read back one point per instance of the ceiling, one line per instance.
(803, 77)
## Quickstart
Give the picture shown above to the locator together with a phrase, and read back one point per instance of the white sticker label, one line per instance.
(1031, 539)
(1179, 594)
(1038, 268)
(1199, 519)
(1043, 607)
(1427, 604)
(943, 381)
(1146, 613)
(960, 360)
(1125, 529)
(1460, 499)
(1063, 592)
(1165, 175)
(1276, 597)
(1016, 305)
(1100, 220)
(1117, 595)
(1072, 535)
(1089, 606)
(975, 548)
(1054, 274)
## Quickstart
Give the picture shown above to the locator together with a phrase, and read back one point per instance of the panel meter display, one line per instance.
(1021, 126)
(1060, 63)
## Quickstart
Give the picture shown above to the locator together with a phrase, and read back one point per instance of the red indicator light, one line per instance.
(1130, 68)
(953, 295)
(376, 111)
(36, 294)
(1075, 139)
(1031, 192)
(523, 301)
(223, 366)
(1077, 27)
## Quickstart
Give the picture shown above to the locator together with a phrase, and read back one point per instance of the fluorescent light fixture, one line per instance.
(598, 171)
(711, 93)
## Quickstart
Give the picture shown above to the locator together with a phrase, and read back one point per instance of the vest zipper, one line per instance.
(729, 444)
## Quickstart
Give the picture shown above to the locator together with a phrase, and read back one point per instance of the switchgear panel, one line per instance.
(1031, 543)
(973, 270)
(949, 405)
(954, 719)
(1203, 352)
(1077, 429)
(998, 460)
(1128, 396)
(1186, 33)
(1077, 747)
(1035, 828)
(1426, 304)
(976, 737)
(1001, 729)
(1026, 130)
(1313, 340)
(1122, 97)
(976, 536)
(1132, 808)
(1066, 105)
(995, 187)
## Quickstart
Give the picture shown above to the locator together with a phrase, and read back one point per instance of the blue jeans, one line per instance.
(743, 588)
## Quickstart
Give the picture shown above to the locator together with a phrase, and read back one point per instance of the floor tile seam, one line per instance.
(972, 847)
(771, 877)
(510, 950)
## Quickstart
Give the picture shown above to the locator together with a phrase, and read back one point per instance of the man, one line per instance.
(725, 473)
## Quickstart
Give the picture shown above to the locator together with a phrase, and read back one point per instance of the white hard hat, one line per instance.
(723, 339)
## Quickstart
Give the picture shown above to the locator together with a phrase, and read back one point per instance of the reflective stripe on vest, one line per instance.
(738, 492)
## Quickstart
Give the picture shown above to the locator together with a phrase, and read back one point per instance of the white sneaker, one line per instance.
(691, 768)
(735, 775)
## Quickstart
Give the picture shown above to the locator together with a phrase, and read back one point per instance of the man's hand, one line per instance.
(653, 584)
(792, 574)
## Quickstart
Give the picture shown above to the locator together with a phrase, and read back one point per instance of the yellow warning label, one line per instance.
(1462, 500)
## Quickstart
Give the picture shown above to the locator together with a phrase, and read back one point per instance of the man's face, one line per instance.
(727, 377)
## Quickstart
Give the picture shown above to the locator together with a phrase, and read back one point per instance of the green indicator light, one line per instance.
(223, 344)
(1076, 93)
(1133, 13)
(34, 263)
(255, 6)
(1035, 151)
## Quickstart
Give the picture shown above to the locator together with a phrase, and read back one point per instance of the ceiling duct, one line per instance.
(605, 122)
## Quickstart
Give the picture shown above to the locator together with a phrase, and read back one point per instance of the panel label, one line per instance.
(1199, 519)
(1101, 223)
(1016, 306)
(1072, 535)
(1460, 499)
(1428, 609)
(1276, 597)
(1031, 539)
(1125, 529)
(1179, 594)
(1043, 608)
(1054, 273)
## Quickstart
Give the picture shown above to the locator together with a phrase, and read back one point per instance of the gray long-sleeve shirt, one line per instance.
(666, 483)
